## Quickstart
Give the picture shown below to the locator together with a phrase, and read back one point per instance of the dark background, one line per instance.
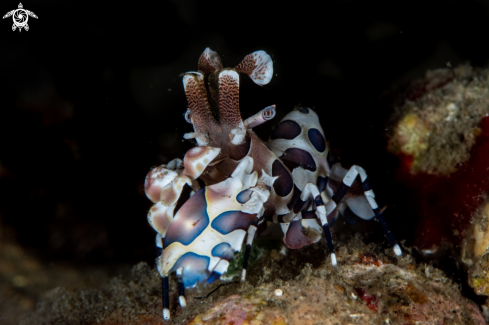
(91, 98)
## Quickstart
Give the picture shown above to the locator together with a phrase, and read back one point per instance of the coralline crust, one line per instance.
(369, 286)
(436, 120)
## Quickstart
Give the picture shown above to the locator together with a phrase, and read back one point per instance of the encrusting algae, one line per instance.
(438, 122)
(369, 286)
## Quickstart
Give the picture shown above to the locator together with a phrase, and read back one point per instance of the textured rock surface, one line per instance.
(133, 300)
(366, 288)
(369, 286)
(438, 119)
(440, 132)
(24, 279)
(476, 252)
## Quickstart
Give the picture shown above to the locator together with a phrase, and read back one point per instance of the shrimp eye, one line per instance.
(188, 116)
(269, 112)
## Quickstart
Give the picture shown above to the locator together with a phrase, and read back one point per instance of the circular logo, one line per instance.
(20, 17)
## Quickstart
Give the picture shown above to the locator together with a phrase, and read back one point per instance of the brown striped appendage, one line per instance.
(209, 61)
(213, 99)
(201, 116)
(230, 116)
(258, 65)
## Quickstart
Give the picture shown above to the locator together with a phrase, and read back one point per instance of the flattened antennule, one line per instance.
(202, 118)
(258, 65)
(209, 61)
(229, 99)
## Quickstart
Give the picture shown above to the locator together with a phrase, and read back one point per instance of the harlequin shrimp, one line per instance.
(236, 181)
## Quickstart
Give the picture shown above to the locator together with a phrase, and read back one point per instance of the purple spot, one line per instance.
(223, 250)
(194, 268)
(295, 197)
(229, 221)
(296, 236)
(190, 221)
(294, 158)
(286, 130)
(321, 183)
(284, 183)
(317, 139)
(244, 196)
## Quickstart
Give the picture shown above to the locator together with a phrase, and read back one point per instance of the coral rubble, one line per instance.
(24, 279)
(476, 252)
(369, 286)
(437, 122)
(440, 132)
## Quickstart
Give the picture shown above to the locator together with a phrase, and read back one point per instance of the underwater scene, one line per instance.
(245, 163)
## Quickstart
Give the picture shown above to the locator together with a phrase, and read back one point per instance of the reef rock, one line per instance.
(476, 251)
(440, 132)
(369, 286)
